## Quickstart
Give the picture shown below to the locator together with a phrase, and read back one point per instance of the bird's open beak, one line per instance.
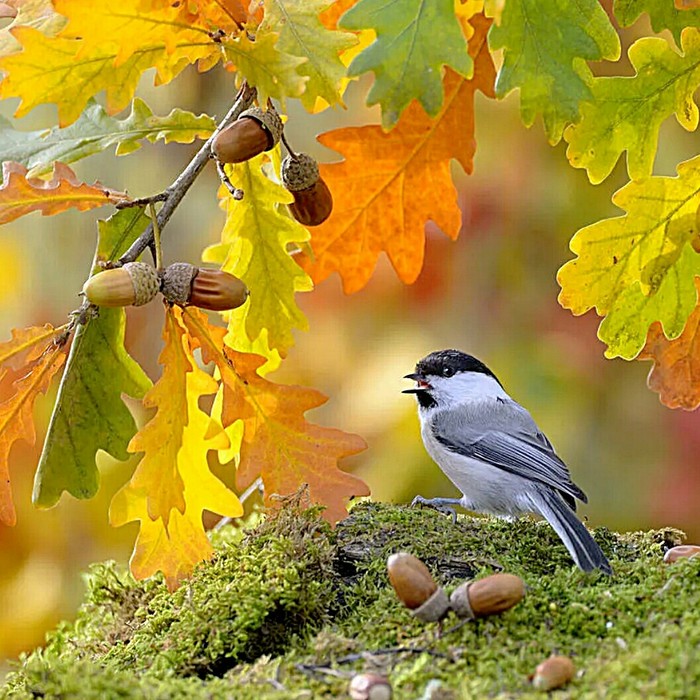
(420, 380)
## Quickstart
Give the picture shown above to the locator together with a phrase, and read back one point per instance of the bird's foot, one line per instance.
(442, 505)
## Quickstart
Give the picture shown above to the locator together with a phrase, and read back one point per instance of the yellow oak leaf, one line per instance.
(107, 46)
(172, 484)
(278, 443)
(254, 247)
(39, 14)
(384, 207)
(638, 268)
(20, 195)
(16, 420)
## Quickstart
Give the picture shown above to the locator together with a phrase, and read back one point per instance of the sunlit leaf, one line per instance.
(406, 59)
(544, 45)
(254, 247)
(17, 421)
(663, 15)
(385, 207)
(278, 443)
(302, 34)
(89, 414)
(20, 195)
(625, 114)
(95, 131)
(645, 252)
(172, 484)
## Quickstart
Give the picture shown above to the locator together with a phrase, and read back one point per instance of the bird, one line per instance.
(492, 450)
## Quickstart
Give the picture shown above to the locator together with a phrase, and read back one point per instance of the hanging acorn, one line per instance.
(313, 201)
(256, 130)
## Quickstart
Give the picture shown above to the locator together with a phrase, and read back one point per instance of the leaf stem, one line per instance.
(178, 189)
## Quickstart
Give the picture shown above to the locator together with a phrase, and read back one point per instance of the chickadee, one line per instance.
(491, 449)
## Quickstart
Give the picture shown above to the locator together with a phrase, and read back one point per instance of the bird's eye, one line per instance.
(447, 371)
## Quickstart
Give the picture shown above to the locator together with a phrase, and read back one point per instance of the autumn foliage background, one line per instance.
(492, 291)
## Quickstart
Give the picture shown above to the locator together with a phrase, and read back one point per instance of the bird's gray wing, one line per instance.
(523, 450)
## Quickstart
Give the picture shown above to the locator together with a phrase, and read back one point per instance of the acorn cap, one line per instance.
(270, 121)
(299, 173)
(176, 282)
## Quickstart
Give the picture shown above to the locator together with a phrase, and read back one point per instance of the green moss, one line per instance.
(280, 607)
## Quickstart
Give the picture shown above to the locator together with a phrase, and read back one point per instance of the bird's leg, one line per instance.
(442, 505)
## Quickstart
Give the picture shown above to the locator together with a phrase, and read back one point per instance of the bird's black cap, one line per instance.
(447, 362)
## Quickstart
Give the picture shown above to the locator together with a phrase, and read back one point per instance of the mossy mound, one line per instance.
(293, 610)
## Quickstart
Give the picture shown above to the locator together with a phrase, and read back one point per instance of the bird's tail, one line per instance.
(581, 545)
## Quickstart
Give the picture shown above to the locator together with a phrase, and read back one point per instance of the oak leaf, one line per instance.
(39, 14)
(406, 57)
(663, 14)
(20, 195)
(16, 420)
(278, 443)
(675, 375)
(301, 34)
(272, 72)
(172, 484)
(89, 414)
(26, 345)
(624, 262)
(390, 184)
(544, 46)
(625, 114)
(254, 247)
(95, 131)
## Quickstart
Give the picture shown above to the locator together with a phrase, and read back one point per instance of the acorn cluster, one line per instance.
(137, 283)
(417, 590)
(257, 130)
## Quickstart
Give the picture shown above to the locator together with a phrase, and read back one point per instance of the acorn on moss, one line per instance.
(256, 130)
(488, 596)
(416, 588)
(313, 201)
(554, 672)
(133, 284)
(187, 285)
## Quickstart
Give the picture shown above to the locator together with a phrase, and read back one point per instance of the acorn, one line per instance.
(256, 130)
(487, 596)
(555, 672)
(683, 551)
(187, 285)
(416, 588)
(313, 201)
(370, 686)
(133, 284)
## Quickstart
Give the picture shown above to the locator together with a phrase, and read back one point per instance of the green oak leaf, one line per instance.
(662, 13)
(415, 38)
(302, 34)
(625, 114)
(89, 414)
(272, 72)
(544, 47)
(96, 131)
(625, 327)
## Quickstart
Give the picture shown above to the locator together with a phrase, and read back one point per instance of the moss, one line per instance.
(291, 610)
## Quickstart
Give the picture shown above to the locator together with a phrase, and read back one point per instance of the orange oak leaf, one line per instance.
(26, 345)
(172, 484)
(278, 443)
(16, 419)
(675, 375)
(20, 195)
(390, 184)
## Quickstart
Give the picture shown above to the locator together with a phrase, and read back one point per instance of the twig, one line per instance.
(255, 486)
(176, 191)
(288, 147)
(236, 192)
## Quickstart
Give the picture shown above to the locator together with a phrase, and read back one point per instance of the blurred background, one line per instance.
(491, 293)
